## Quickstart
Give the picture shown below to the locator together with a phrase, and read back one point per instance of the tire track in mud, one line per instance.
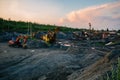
(11, 66)
(34, 65)
(42, 66)
(11, 63)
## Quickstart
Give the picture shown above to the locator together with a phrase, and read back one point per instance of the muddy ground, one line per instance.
(49, 64)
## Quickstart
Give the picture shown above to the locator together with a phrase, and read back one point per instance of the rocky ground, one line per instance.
(75, 63)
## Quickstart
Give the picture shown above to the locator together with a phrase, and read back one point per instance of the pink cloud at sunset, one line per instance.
(101, 16)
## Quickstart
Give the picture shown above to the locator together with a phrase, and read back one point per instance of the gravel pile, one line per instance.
(36, 44)
(5, 36)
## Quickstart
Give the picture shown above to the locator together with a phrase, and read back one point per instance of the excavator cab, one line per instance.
(50, 37)
(15, 43)
(19, 42)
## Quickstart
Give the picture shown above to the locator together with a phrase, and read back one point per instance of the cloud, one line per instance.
(101, 17)
(40, 11)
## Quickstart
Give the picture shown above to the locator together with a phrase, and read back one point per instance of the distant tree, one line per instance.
(118, 31)
(9, 19)
(107, 30)
(102, 30)
(10, 25)
(92, 29)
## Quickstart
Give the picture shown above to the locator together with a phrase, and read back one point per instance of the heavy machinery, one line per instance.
(22, 41)
(50, 37)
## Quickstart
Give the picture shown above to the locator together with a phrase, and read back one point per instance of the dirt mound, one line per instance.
(98, 69)
(5, 36)
(36, 44)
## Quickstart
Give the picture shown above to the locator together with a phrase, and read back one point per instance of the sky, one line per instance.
(102, 14)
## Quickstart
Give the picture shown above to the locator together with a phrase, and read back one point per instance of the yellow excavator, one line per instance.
(50, 37)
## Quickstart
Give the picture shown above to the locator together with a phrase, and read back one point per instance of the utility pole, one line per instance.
(89, 26)
(9, 23)
(31, 30)
(3, 25)
(28, 31)
(89, 34)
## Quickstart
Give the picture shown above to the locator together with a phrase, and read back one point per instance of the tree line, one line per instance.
(21, 26)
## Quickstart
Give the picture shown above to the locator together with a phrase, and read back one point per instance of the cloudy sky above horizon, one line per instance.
(101, 14)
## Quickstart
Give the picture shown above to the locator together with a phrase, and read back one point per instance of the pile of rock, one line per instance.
(5, 36)
(36, 44)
